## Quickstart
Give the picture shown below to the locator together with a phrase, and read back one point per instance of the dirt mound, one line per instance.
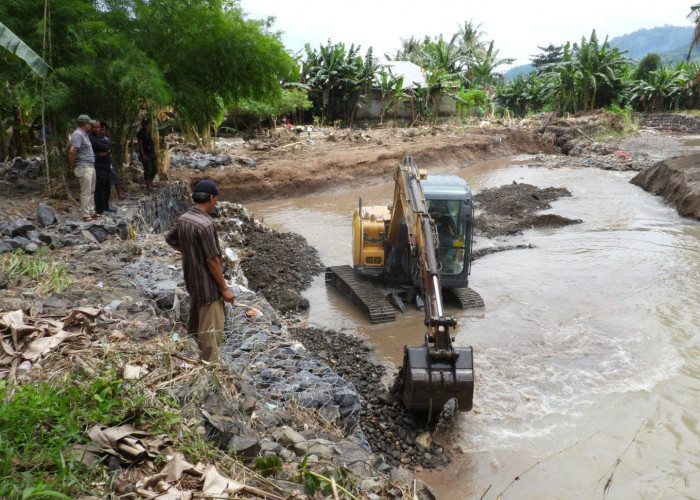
(279, 265)
(677, 180)
(510, 209)
(321, 160)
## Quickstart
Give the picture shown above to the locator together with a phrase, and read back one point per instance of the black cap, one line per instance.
(206, 186)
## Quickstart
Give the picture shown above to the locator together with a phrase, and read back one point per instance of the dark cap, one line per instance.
(206, 186)
(146, 119)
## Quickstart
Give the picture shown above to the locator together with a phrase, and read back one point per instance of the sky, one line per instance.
(517, 27)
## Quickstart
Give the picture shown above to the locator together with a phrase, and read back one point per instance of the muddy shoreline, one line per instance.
(278, 266)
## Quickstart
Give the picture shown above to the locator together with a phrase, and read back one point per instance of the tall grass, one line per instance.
(39, 423)
(49, 276)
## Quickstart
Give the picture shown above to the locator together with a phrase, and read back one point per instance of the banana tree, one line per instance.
(483, 67)
(329, 71)
(659, 91)
(437, 82)
(386, 82)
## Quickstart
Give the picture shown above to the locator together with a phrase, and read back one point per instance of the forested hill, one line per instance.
(671, 43)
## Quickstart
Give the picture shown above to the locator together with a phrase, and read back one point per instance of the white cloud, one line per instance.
(517, 27)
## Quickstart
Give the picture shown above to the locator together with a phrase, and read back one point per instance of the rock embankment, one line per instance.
(674, 122)
(290, 402)
(677, 180)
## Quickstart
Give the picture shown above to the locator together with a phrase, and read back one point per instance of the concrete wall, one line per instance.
(448, 107)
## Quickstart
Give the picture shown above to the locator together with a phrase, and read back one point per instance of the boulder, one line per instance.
(45, 215)
(244, 446)
(287, 436)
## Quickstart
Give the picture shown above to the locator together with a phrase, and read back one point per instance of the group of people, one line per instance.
(194, 236)
(90, 158)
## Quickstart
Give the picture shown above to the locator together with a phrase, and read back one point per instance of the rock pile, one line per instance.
(675, 122)
(180, 158)
(398, 436)
(21, 168)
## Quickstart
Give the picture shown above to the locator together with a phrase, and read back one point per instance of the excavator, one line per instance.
(421, 246)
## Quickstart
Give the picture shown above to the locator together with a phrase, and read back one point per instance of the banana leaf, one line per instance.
(15, 46)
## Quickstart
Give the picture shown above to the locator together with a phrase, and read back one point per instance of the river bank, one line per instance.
(139, 272)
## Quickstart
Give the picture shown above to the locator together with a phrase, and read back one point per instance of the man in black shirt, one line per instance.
(147, 152)
(103, 159)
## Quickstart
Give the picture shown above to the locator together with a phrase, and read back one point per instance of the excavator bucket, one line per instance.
(430, 381)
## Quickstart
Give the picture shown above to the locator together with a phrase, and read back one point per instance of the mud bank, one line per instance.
(677, 180)
(293, 165)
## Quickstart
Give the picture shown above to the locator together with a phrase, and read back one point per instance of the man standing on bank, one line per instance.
(147, 152)
(194, 235)
(82, 162)
(103, 159)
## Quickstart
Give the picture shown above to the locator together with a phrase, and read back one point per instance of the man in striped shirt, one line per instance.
(195, 237)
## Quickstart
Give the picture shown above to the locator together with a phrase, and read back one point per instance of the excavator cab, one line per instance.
(448, 199)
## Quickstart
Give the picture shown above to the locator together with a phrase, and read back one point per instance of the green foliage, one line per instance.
(50, 276)
(242, 60)
(40, 422)
(314, 482)
(15, 46)
(551, 54)
(589, 76)
(249, 112)
(268, 466)
(468, 101)
(526, 94)
(651, 62)
(115, 59)
(335, 78)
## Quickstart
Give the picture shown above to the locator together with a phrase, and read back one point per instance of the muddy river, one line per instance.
(587, 354)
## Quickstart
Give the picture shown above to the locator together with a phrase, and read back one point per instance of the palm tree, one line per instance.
(695, 16)
(483, 67)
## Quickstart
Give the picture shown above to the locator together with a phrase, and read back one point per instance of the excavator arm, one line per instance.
(434, 372)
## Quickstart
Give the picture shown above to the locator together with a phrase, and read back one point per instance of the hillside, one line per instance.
(671, 43)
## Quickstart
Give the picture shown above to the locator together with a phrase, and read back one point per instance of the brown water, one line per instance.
(588, 350)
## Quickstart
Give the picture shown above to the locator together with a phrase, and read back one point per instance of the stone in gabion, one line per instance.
(20, 227)
(45, 215)
(99, 232)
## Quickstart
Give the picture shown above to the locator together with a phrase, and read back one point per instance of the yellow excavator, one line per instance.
(420, 245)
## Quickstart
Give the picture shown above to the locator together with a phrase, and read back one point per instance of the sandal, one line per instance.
(88, 219)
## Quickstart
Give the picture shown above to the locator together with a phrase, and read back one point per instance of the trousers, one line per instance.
(87, 177)
(206, 324)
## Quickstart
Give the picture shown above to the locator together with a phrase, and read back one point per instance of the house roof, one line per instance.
(412, 73)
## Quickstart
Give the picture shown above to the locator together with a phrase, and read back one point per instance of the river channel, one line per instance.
(587, 354)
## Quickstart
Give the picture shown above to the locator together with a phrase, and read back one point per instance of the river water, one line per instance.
(587, 354)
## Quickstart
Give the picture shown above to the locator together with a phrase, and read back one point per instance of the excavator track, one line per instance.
(468, 298)
(375, 304)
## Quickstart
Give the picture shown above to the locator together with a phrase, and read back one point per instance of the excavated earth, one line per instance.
(677, 180)
(279, 266)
